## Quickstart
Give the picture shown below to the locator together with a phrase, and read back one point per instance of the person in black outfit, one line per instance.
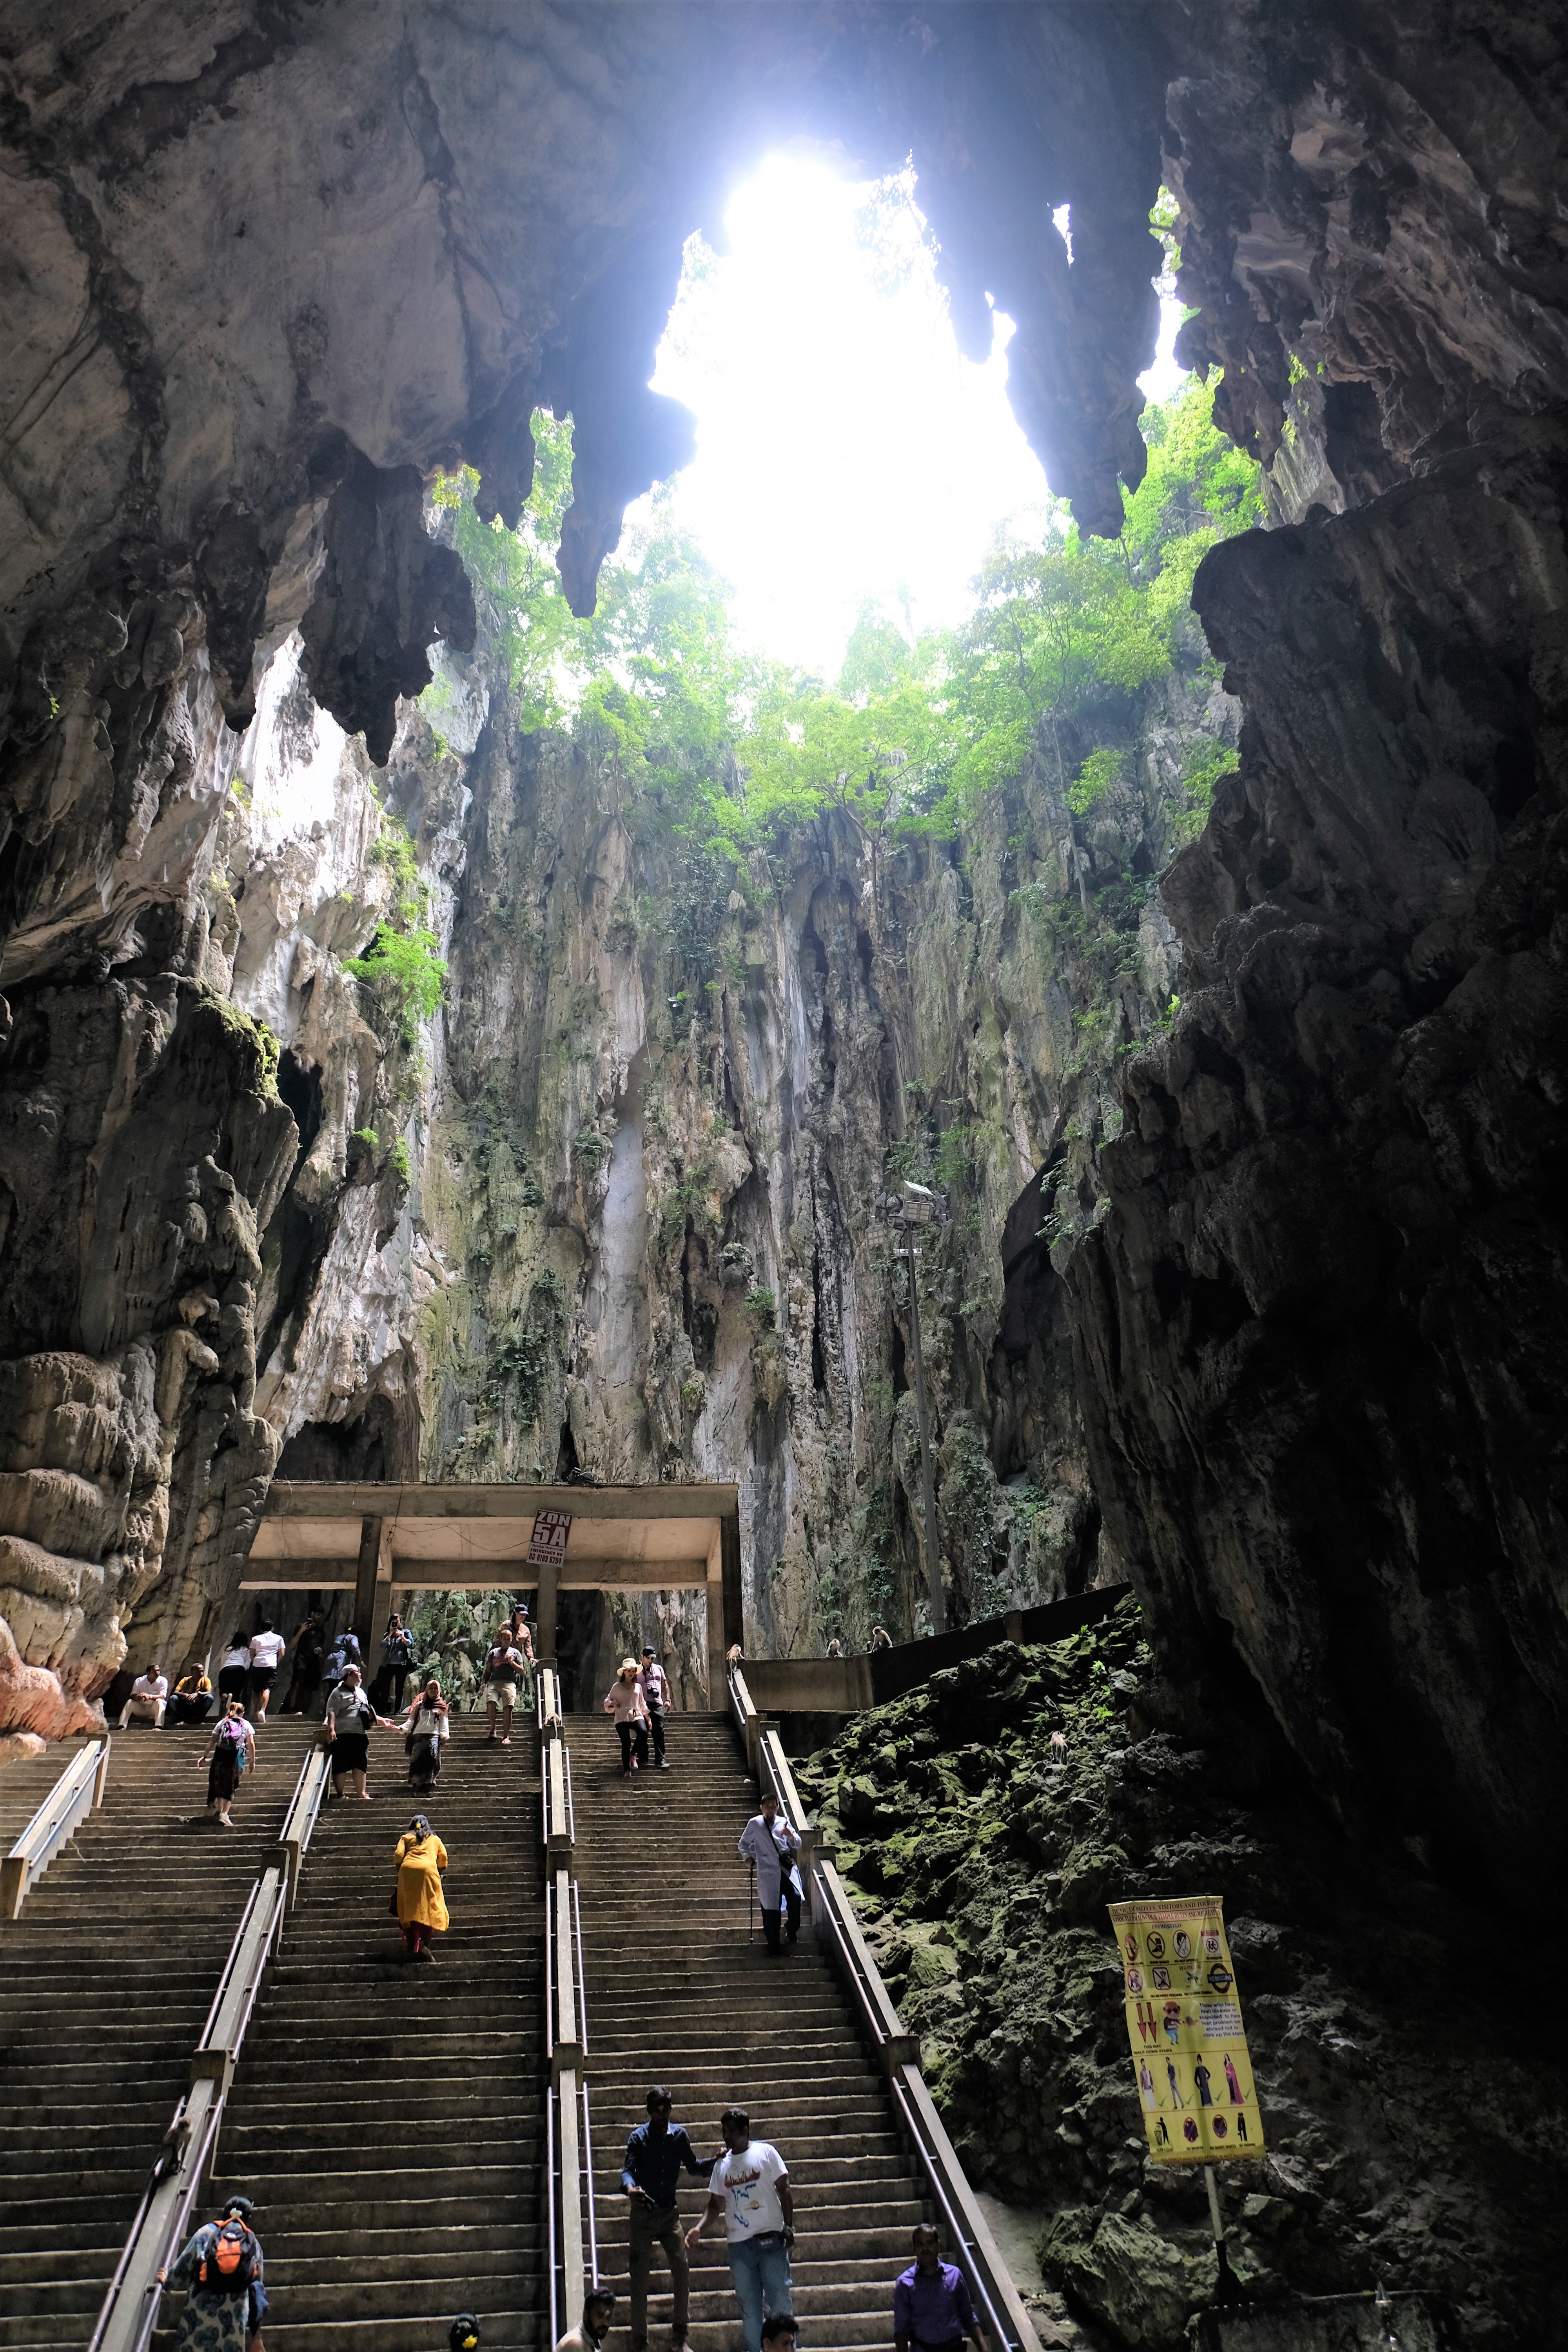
(310, 1650)
(397, 1662)
(656, 2153)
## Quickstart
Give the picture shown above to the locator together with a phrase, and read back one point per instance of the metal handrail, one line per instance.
(570, 1808)
(873, 2022)
(967, 2253)
(304, 1811)
(934, 2154)
(549, 1972)
(147, 2248)
(74, 1795)
(588, 2176)
(581, 1971)
(550, 2255)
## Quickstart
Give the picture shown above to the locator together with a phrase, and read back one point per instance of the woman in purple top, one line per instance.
(931, 2308)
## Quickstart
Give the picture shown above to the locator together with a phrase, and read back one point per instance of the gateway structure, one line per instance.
(381, 1541)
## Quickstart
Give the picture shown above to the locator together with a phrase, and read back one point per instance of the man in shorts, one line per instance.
(503, 1665)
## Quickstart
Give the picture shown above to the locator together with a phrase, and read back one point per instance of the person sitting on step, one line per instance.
(193, 1700)
(598, 2311)
(149, 1695)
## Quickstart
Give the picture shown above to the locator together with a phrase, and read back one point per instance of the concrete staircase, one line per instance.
(105, 1982)
(388, 2118)
(677, 1996)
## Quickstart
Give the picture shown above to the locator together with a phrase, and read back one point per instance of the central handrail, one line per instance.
(571, 2218)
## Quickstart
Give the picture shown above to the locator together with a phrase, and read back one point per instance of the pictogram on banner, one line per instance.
(1190, 2061)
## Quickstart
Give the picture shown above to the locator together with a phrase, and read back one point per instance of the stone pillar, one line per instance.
(544, 1615)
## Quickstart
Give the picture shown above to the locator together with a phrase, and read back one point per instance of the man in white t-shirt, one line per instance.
(266, 1650)
(749, 2186)
(149, 1694)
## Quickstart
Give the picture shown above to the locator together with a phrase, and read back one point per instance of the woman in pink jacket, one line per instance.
(626, 1702)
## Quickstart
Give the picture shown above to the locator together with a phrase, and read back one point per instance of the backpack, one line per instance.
(231, 1732)
(229, 2266)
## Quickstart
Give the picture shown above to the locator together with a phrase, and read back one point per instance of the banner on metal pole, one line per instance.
(1190, 2060)
(547, 1545)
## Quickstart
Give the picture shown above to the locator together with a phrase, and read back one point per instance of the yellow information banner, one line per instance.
(1189, 2059)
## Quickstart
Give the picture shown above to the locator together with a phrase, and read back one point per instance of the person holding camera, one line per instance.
(750, 2186)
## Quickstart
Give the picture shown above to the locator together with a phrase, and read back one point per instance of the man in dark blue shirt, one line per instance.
(931, 2309)
(656, 2153)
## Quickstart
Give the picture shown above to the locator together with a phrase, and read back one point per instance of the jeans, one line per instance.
(656, 1725)
(652, 2227)
(760, 2268)
(633, 1733)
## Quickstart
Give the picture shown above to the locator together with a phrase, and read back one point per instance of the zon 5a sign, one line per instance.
(1189, 2059)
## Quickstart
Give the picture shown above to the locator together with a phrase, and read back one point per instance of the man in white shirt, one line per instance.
(149, 1695)
(769, 1842)
(749, 2186)
(266, 1650)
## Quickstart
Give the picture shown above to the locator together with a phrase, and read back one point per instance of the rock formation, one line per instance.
(266, 269)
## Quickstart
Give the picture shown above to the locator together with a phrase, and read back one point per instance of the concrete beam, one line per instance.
(340, 1499)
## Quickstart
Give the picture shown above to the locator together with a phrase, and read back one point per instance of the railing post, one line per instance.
(101, 1775)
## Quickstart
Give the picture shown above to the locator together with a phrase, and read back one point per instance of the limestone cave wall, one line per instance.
(266, 266)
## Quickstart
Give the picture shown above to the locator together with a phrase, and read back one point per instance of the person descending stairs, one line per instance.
(105, 1983)
(387, 2118)
(676, 1996)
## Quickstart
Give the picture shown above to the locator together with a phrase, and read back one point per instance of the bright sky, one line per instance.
(845, 450)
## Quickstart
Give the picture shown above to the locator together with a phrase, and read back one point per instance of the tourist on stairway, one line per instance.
(656, 1697)
(931, 2306)
(770, 1844)
(193, 1700)
(149, 1695)
(233, 1669)
(349, 1718)
(503, 1664)
(221, 2271)
(598, 2311)
(266, 1649)
(780, 2331)
(522, 1640)
(626, 1702)
(344, 1653)
(749, 2186)
(656, 2153)
(397, 1662)
(420, 1904)
(429, 1725)
(227, 1754)
(310, 1651)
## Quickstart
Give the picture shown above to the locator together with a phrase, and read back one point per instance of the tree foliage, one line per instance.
(917, 731)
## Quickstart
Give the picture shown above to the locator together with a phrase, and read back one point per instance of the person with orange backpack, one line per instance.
(221, 2271)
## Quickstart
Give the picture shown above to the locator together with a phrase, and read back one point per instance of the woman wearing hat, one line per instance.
(626, 1702)
(421, 1906)
(221, 2273)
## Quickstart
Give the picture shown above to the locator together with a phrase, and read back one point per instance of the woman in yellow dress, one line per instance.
(421, 1906)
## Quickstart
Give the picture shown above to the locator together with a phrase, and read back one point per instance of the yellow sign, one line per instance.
(1190, 2061)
